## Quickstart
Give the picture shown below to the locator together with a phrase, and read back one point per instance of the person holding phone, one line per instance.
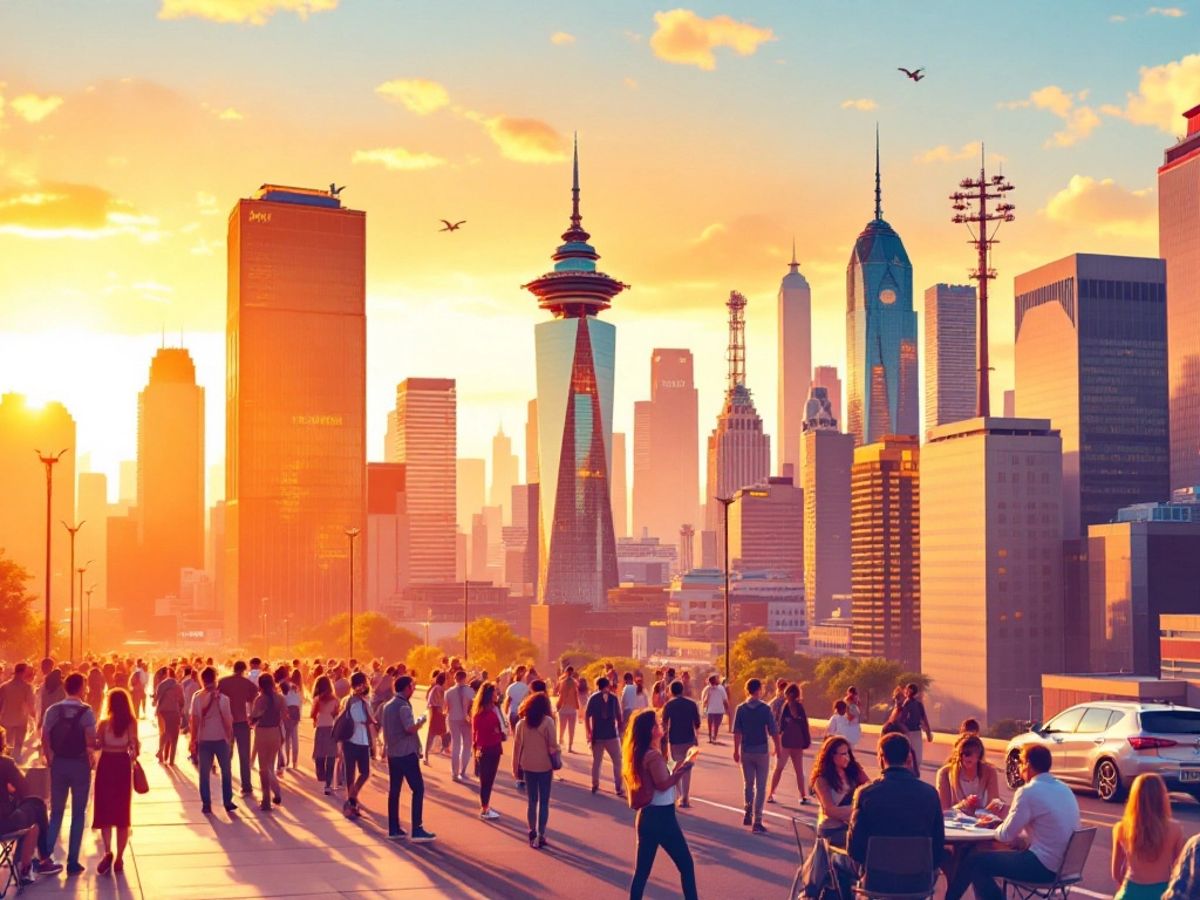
(681, 722)
(402, 744)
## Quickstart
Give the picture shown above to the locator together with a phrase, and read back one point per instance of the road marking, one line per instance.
(766, 812)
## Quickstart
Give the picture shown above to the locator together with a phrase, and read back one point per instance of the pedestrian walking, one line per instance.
(435, 702)
(794, 738)
(324, 711)
(168, 705)
(51, 692)
(357, 748)
(652, 793)
(514, 696)
(68, 735)
(289, 753)
(97, 684)
(266, 717)
(211, 729)
(535, 754)
(567, 703)
(681, 725)
(714, 700)
(602, 724)
(138, 680)
(487, 741)
(241, 692)
(117, 741)
(17, 707)
(458, 716)
(913, 718)
(402, 746)
(754, 731)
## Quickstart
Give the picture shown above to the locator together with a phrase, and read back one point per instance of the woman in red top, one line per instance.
(487, 739)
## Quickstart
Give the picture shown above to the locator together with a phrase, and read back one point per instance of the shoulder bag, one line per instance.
(556, 760)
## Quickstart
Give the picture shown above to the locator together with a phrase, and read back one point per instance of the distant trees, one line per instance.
(375, 637)
(492, 646)
(21, 632)
(423, 659)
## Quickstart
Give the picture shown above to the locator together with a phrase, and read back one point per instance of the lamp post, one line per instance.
(351, 533)
(466, 617)
(73, 530)
(48, 460)
(725, 501)
(85, 622)
(79, 572)
(263, 612)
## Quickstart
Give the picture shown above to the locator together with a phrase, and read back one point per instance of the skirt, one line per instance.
(437, 721)
(324, 746)
(114, 791)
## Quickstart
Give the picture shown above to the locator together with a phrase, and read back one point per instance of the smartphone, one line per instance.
(691, 755)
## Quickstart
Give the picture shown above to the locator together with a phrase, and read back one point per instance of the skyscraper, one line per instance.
(1179, 246)
(827, 455)
(666, 456)
(470, 483)
(991, 566)
(951, 370)
(386, 542)
(881, 332)
(620, 494)
(794, 326)
(505, 467)
(1091, 356)
(827, 377)
(885, 551)
(170, 461)
(426, 439)
(766, 530)
(576, 356)
(531, 443)
(295, 404)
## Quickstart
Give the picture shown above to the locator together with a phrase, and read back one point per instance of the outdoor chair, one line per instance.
(1070, 873)
(891, 859)
(806, 833)
(9, 844)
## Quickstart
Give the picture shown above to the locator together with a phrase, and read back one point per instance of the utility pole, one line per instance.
(351, 533)
(73, 530)
(79, 572)
(85, 622)
(725, 501)
(48, 460)
(970, 203)
(466, 616)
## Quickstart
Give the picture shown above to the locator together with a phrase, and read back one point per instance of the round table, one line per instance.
(958, 832)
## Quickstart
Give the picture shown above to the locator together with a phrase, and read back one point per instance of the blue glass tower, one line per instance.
(881, 332)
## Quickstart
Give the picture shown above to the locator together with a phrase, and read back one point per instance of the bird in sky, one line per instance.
(335, 190)
(452, 226)
(915, 74)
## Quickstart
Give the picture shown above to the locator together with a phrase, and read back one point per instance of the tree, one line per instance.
(423, 660)
(621, 664)
(21, 632)
(576, 656)
(493, 645)
(375, 636)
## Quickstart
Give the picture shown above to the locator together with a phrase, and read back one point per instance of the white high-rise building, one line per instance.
(794, 325)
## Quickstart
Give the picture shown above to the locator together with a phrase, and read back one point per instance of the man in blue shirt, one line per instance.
(68, 733)
(754, 730)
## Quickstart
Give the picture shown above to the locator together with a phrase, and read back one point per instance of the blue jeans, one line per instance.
(981, 869)
(207, 751)
(73, 776)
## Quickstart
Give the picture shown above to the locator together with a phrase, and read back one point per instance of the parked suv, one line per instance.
(1106, 744)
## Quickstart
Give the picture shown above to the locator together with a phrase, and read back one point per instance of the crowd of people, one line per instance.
(80, 722)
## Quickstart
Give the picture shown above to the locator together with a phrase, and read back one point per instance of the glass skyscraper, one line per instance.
(881, 332)
(951, 367)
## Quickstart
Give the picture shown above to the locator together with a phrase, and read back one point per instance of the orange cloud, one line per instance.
(524, 140)
(1169, 12)
(561, 38)
(244, 12)
(33, 108)
(1104, 207)
(943, 153)
(1080, 120)
(397, 159)
(1164, 92)
(684, 38)
(419, 95)
(63, 210)
(863, 104)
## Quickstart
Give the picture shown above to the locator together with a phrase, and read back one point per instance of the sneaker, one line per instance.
(328, 791)
(541, 841)
(457, 779)
(747, 819)
(533, 839)
(421, 836)
(489, 815)
(397, 835)
(758, 828)
(46, 867)
(230, 807)
(771, 799)
(206, 810)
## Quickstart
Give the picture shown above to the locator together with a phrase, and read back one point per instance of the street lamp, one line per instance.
(351, 533)
(428, 618)
(466, 616)
(86, 620)
(725, 501)
(73, 530)
(48, 460)
(263, 607)
(79, 572)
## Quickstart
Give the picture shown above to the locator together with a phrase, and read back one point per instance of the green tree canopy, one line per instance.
(492, 646)
(21, 632)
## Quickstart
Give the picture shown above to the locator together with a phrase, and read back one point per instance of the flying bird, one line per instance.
(452, 226)
(915, 75)
(335, 190)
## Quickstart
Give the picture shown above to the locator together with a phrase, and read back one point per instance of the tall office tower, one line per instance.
(885, 551)
(687, 552)
(766, 530)
(951, 369)
(620, 493)
(1091, 356)
(390, 451)
(505, 467)
(531, 443)
(827, 455)
(49, 429)
(576, 356)
(386, 541)
(478, 564)
(794, 327)
(470, 479)
(666, 458)
(91, 543)
(991, 566)
(1010, 404)
(881, 332)
(170, 479)
(739, 453)
(295, 421)
(1179, 246)
(127, 482)
(827, 377)
(426, 429)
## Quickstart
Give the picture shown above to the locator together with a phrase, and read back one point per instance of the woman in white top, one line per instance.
(714, 700)
(838, 723)
(289, 753)
(854, 716)
(967, 782)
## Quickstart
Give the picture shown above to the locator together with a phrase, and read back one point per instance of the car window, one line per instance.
(1064, 723)
(1114, 717)
(1094, 721)
(1172, 721)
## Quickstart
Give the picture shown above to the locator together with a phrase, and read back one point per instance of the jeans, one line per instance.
(460, 747)
(489, 764)
(755, 768)
(16, 739)
(267, 740)
(657, 826)
(678, 752)
(241, 737)
(357, 756)
(537, 792)
(612, 747)
(325, 769)
(401, 769)
(206, 752)
(74, 776)
(981, 868)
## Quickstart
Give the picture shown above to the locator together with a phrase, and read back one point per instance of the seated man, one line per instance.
(897, 804)
(1185, 879)
(1043, 817)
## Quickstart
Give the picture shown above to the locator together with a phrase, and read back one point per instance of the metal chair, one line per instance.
(1069, 874)
(9, 844)
(909, 859)
(806, 831)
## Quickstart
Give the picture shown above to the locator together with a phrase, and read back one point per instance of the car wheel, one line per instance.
(1012, 770)
(1108, 781)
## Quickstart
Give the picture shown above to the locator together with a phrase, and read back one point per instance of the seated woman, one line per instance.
(966, 781)
(19, 810)
(836, 775)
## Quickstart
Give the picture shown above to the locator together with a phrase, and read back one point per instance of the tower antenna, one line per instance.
(736, 353)
(878, 190)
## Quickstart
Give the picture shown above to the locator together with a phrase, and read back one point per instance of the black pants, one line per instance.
(489, 763)
(401, 769)
(241, 740)
(31, 811)
(537, 791)
(981, 869)
(657, 827)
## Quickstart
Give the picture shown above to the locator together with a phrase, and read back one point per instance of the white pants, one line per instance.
(460, 747)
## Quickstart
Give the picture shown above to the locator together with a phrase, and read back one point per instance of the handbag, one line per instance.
(556, 760)
(140, 783)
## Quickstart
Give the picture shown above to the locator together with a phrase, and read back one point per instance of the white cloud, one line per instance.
(33, 108)
(561, 38)
(944, 153)
(1105, 207)
(1168, 12)
(419, 95)
(687, 39)
(1079, 119)
(397, 159)
(1164, 93)
(245, 12)
(863, 104)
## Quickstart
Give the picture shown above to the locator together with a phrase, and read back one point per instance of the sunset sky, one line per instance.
(709, 136)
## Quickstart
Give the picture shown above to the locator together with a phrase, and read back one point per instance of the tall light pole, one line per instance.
(85, 622)
(725, 501)
(73, 530)
(48, 460)
(263, 612)
(351, 533)
(79, 572)
(466, 617)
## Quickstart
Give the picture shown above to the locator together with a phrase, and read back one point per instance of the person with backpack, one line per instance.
(211, 739)
(354, 729)
(794, 737)
(68, 733)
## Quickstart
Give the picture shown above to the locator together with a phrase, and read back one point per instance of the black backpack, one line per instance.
(343, 725)
(68, 738)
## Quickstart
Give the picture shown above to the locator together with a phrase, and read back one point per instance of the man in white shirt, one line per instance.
(458, 717)
(714, 700)
(1043, 817)
(514, 696)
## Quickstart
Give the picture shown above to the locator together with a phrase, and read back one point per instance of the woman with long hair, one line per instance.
(794, 737)
(534, 747)
(1146, 842)
(356, 750)
(651, 790)
(324, 710)
(266, 716)
(117, 741)
(487, 740)
(967, 781)
(836, 775)
(435, 700)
